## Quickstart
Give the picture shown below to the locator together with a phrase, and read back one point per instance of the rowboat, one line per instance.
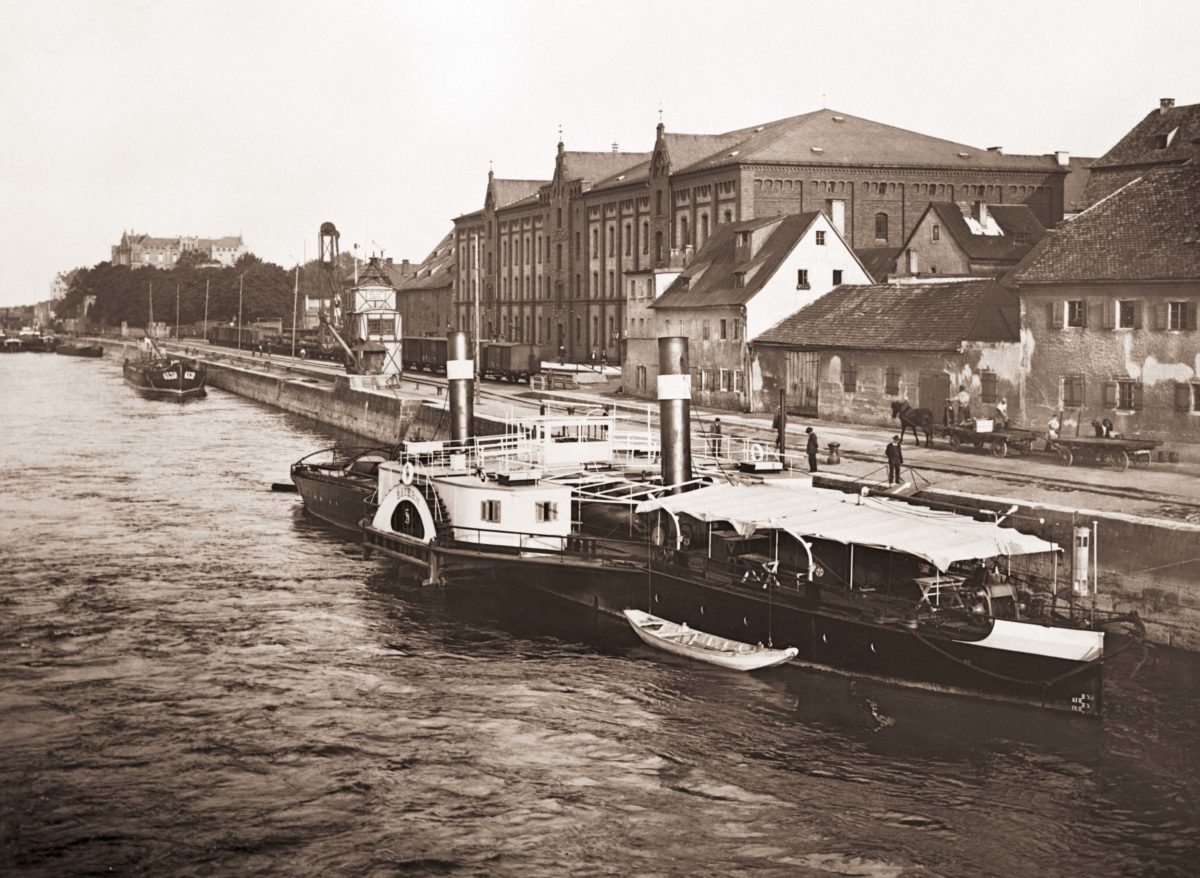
(679, 639)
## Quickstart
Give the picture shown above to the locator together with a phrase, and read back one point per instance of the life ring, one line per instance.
(407, 472)
(756, 452)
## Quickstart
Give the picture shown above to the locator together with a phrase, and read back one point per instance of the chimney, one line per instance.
(980, 212)
(389, 260)
(616, 148)
(460, 375)
(1165, 104)
(674, 411)
(1062, 157)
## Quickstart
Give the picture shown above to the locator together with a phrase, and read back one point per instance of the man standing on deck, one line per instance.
(895, 457)
(812, 447)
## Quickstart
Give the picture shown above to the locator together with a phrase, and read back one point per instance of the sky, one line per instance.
(211, 117)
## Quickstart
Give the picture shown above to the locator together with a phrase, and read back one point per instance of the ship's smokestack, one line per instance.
(674, 410)
(460, 374)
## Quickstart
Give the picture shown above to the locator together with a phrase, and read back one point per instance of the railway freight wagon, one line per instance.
(248, 337)
(424, 352)
(514, 361)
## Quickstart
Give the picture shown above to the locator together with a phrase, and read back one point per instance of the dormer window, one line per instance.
(739, 279)
(743, 239)
(820, 239)
(1162, 141)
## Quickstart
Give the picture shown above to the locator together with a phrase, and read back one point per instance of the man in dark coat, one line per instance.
(813, 445)
(895, 457)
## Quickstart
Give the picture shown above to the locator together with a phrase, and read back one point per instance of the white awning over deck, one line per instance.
(793, 505)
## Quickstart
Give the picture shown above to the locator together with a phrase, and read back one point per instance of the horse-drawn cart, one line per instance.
(1119, 453)
(1011, 438)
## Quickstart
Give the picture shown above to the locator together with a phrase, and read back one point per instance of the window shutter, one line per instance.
(1056, 314)
(1137, 315)
(1137, 396)
(1191, 315)
(1183, 396)
(1088, 317)
(1110, 394)
(1160, 315)
(1110, 314)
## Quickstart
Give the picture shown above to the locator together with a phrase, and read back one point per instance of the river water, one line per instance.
(196, 679)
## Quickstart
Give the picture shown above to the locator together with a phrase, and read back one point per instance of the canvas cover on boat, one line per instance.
(941, 538)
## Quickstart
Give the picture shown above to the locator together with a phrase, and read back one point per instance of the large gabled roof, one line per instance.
(829, 137)
(1147, 230)
(436, 270)
(711, 277)
(902, 317)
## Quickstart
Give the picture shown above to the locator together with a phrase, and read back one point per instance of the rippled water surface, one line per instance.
(197, 680)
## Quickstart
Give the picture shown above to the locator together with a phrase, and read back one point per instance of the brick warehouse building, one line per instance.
(559, 259)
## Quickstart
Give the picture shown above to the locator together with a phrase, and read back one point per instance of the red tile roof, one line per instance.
(1146, 231)
(902, 317)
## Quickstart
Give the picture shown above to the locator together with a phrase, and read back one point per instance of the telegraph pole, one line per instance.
(206, 280)
(176, 310)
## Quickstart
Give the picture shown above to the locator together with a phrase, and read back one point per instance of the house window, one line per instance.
(710, 379)
(703, 228)
(559, 217)
(987, 387)
(737, 382)
(1126, 314)
(1072, 391)
(802, 278)
(937, 232)
(820, 239)
(546, 510)
(704, 329)
(645, 237)
(684, 236)
(881, 227)
(490, 511)
(724, 380)
(729, 216)
(578, 245)
(628, 241)
(641, 377)
(743, 239)
(837, 276)
(612, 240)
(849, 377)
(1129, 395)
(1180, 315)
(891, 381)
(658, 246)
(595, 241)
(737, 329)
(724, 330)
(1077, 313)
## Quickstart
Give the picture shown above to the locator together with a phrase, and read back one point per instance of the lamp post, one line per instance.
(295, 305)
(206, 281)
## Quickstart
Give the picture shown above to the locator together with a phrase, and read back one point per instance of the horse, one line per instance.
(911, 418)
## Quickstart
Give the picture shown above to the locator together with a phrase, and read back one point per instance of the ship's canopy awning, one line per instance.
(794, 506)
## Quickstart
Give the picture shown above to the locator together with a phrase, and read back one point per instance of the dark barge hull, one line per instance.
(170, 379)
(334, 499)
(830, 639)
(80, 350)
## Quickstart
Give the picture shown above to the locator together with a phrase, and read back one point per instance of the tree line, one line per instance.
(123, 294)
